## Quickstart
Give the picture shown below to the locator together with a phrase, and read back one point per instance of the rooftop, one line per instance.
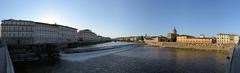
(39, 23)
(227, 34)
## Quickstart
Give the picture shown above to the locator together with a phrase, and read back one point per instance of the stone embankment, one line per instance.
(195, 46)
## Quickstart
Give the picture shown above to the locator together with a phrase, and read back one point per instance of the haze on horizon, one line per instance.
(116, 18)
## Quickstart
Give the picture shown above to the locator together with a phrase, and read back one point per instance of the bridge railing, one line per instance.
(6, 65)
(228, 65)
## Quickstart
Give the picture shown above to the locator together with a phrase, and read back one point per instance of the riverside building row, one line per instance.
(219, 39)
(192, 39)
(227, 38)
(23, 32)
(174, 37)
(31, 41)
(29, 32)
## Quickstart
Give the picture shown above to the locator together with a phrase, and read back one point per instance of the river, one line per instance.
(140, 59)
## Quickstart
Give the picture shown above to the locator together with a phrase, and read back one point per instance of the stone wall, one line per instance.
(192, 46)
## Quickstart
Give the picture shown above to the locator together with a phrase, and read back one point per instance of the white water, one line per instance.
(103, 45)
(90, 55)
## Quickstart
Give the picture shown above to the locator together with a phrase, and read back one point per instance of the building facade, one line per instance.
(192, 39)
(89, 36)
(227, 38)
(236, 39)
(156, 39)
(23, 32)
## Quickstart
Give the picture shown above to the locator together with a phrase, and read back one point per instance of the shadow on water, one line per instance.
(28, 67)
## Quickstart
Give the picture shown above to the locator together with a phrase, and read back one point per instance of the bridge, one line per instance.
(6, 65)
(233, 62)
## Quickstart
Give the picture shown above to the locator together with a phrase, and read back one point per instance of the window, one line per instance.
(14, 35)
(17, 28)
(14, 28)
(20, 34)
(8, 28)
(5, 34)
(10, 35)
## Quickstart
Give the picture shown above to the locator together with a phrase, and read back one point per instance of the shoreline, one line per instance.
(194, 48)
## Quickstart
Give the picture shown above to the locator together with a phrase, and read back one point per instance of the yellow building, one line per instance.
(226, 38)
(183, 38)
(192, 39)
(156, 39)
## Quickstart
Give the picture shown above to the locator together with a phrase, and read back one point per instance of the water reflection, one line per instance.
(199, 61)
(143, 59)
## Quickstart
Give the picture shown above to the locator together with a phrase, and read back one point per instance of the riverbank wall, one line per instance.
(195, 46)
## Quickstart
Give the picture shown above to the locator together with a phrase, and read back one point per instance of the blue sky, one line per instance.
(115, 18)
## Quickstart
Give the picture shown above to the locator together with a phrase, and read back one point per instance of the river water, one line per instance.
(141, 59)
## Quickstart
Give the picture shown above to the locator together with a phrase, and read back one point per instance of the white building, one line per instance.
(88, 35)
(236, 39)
(227, 38)
(30, 32)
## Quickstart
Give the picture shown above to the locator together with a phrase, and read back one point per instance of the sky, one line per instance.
(116, 18)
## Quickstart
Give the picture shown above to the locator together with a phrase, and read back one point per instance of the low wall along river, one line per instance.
(207, 47)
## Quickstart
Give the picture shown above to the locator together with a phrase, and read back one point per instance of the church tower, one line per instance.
(172, 36)
(174, 31)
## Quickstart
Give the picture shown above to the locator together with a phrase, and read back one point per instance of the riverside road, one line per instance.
(132, 59)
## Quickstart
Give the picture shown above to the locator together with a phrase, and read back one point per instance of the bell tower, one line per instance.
(174, 31)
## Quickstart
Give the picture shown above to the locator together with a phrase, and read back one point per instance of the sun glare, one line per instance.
(49, 18)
